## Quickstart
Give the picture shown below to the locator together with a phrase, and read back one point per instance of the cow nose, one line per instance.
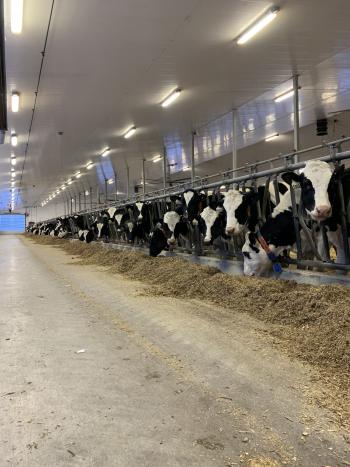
(230, 230)
(324, 210)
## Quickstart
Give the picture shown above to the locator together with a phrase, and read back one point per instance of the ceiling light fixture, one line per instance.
(15, 102)
(157, 159)
(63, 187)
(110, 181)
(16, 16)
(284, 95)
(258, 25)
(105, 152)
(186, 168)
(70, 181)
(89, 165)
(271, 137)
(13, 160)
(171, 98)
(14, 139)
(130, 132)
(13, 174)
(87, 193)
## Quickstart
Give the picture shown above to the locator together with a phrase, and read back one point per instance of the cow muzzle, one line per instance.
(230, 231)
(321, 212)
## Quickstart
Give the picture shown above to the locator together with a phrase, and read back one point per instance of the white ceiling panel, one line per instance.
(110, 63)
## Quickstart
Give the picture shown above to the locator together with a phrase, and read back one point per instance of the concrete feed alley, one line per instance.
(97, 373)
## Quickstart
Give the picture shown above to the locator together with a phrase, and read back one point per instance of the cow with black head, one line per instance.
(85, 234)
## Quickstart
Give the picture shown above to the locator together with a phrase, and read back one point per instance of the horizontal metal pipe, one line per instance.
(178, 190)
(320, 264)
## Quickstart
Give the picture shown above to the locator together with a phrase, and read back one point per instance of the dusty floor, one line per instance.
(158, 381)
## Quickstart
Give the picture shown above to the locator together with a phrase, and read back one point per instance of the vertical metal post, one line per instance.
(344, 229)
(296, 116)
(193, 171)
(84, 199)
(234, 138)
(127, 182)
(296, 224)
(115, 186)
(144, 176)
(106, 191)
(79, 201)
(165, 163)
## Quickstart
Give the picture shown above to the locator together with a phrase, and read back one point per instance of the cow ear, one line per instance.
(339, 171)
(290, 177)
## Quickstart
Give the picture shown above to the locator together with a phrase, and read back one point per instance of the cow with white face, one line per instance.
(212, 216)
(241, 207)
(314, 182)
(171, 219)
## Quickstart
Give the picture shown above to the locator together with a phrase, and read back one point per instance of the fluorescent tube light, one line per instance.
(105, 152)
(15, 102)
(285, 95)
(14, 139)
(271, 137)
(13, 161)
(130, 132)
(157, 158)
(16, 16)
(257, 26)
(110, 181)
(171, 98)
(185, 169)
(90, 165)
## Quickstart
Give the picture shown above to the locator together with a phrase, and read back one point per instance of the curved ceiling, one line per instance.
(109, 65)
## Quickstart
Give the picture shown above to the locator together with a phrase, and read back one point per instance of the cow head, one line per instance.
(171, 218)
(314, 183)
(256, 261)
(209, 216)
(238, 208)
(195, 203)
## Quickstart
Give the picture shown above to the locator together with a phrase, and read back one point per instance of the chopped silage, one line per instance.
(311, 323)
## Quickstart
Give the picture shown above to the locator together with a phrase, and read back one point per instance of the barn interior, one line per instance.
(114, 358)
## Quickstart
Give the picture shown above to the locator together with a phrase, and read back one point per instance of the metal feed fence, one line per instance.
(231, 248)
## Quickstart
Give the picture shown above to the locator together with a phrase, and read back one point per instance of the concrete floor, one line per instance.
(161, 382)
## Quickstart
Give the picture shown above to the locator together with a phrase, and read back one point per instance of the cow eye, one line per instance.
(246, 254)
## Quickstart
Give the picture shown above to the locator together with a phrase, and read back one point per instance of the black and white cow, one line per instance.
(214, 217)
(317, 190)
(279, 234)
(315, 181)
(167, 231)
(241, 207)
(85, 234)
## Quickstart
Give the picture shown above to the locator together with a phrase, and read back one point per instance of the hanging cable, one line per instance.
(43, 53)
